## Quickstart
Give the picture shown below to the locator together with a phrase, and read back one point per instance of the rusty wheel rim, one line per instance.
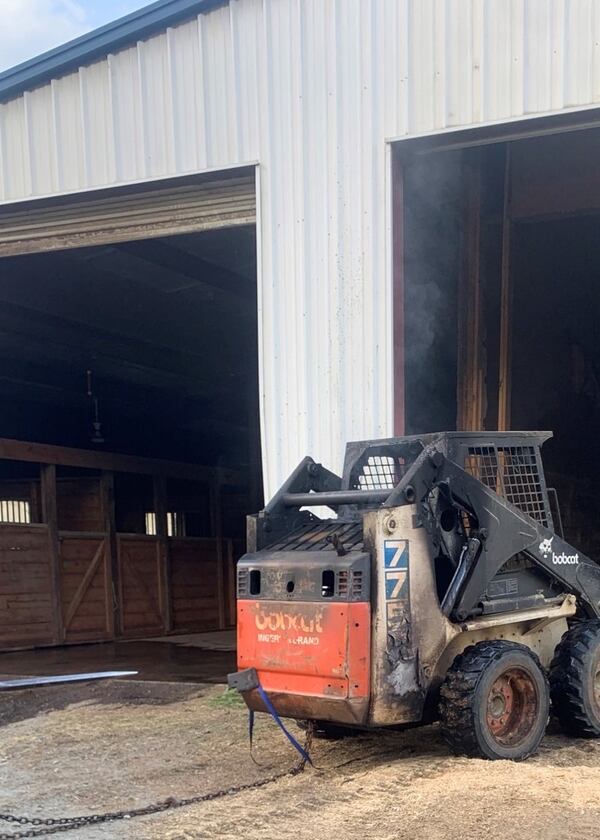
(512, 707)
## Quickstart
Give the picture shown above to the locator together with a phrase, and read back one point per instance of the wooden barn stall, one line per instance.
(97, 546)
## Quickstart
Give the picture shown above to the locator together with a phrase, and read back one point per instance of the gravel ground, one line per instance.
(89, 748)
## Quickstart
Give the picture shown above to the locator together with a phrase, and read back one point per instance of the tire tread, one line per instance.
(457, 705)
(567, 679)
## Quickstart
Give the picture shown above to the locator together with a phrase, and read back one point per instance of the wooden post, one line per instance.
(160, 511)
(35, 501)
(112, 582)
(505, 306)
(50, 516)
(217, 529)
(471, 355)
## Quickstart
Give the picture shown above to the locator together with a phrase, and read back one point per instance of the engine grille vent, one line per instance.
(350, 584)
(319, 536)
(242, 581)
(514, 473)
(357, 583)
(343, 583)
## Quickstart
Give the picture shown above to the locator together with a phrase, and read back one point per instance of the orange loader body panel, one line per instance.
(312, 658)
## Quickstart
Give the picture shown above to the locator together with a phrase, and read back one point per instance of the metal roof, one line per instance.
(98, 43)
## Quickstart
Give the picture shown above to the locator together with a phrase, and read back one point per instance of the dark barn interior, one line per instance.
(129, 451)
(163, 326)
(556, 358)
(500, 275)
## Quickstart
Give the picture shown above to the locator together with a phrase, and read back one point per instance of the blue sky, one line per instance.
(29, 27)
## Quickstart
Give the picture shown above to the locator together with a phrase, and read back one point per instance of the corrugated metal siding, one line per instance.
(311, 89)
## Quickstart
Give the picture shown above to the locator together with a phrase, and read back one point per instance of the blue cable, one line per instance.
(271, 709)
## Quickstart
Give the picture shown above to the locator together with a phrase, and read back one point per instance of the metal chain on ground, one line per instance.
(46, 827)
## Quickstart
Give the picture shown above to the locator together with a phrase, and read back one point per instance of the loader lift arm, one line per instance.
(502, 531)
(499, 530)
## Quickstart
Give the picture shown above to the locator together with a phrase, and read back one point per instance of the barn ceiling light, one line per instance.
(97, 436)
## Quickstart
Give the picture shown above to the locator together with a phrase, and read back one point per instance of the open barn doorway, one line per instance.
(555, 365)
(129, 427)
(497, 295)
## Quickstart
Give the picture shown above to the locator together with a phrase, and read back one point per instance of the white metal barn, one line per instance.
(256, 229)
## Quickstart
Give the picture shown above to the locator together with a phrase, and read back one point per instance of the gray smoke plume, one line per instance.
(433, 220)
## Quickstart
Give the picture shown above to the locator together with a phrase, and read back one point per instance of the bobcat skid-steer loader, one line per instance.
(438, 588)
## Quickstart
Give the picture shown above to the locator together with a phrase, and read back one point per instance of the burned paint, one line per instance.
(396, 694)
(395, 556)
(309, 707)
(286, 620)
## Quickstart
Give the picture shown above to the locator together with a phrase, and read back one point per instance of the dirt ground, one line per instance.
(96, 747)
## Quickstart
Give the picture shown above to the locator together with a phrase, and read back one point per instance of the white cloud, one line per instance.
(30, 27)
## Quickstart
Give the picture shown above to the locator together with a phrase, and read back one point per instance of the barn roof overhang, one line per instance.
(99, 43)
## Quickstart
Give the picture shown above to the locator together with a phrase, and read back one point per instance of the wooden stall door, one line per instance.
(26, 611)
(79, 505)
(141, 599)
(86, 588)
(196, 586)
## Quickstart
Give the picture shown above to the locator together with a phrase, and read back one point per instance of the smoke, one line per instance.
(433, 234)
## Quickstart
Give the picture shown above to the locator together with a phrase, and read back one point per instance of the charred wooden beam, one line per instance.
(42, 453)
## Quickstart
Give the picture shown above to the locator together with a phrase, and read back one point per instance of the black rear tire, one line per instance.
(494, 702)
(575, 680)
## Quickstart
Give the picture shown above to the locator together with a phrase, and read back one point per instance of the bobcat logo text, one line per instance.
(285, 621)
(561, 559)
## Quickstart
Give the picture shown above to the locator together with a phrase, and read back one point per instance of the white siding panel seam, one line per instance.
(59, 180)
(300, 279)
(275, 316)
(267, 361)
(112, 139)
(371, 153)
(143, 150)
(85, 145)
(477, 60)
(175, 162)
(379, 335)
(517, 49)
(233, 104)
(595, 52)
(205, 144)
(404, 94)
(442, 109)
(30, 173)
(235, 81)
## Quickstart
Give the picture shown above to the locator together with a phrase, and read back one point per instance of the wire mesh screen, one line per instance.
(379, 472)
(512, 472)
